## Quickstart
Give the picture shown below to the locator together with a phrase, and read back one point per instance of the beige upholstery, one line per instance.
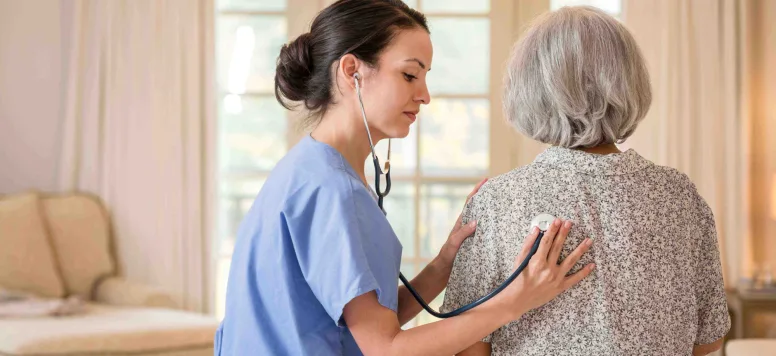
(751, 347)
(58, 245)
(117, 291)
(80, 234)
(109, 329)
(26, 259)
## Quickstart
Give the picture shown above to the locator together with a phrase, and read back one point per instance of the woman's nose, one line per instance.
(423, 96)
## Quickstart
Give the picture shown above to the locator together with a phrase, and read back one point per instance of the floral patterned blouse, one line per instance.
(657, 288)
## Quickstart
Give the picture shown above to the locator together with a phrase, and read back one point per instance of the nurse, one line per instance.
(316, 264)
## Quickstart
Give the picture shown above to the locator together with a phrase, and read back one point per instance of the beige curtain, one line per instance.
(693, 50)
(758, 85)
(137, 112)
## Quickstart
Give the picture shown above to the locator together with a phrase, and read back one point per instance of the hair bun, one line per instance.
(294, 69)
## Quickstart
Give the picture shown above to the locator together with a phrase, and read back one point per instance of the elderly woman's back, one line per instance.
(577, 82)
(657, 288)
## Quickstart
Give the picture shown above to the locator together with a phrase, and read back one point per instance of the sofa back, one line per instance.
(79, 232)
(54, 245)
(27, 260)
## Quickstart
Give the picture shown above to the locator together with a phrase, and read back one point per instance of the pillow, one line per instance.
(26, 258)
(79, 231)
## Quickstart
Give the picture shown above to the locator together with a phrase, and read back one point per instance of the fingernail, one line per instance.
(556, 222)
(568, 224)
(592, 266)
(588, 242)
(473, 223)
(535, 230)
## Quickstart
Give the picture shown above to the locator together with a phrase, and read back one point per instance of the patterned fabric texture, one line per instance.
(657, 288)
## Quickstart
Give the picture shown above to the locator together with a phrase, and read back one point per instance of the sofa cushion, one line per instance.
(751, 347)
(26, 259)
(108, 330)
(80, 234)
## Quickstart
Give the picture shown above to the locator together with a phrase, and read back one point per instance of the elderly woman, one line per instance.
(577, 81)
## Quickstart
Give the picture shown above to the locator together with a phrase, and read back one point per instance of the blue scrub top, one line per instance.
(313, 240)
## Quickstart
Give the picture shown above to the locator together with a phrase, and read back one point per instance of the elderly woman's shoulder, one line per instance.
(674, 177)
(681, 185)
(515, 179)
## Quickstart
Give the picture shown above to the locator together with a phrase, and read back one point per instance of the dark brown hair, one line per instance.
(363, 28)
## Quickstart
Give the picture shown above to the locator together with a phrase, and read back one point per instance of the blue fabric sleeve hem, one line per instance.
(357, 292)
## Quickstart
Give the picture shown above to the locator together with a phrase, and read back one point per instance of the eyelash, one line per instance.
(409, 77)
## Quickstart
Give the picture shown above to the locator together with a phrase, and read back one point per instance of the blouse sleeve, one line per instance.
(713, 317)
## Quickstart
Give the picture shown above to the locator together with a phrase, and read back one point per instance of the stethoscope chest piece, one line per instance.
(542, 221)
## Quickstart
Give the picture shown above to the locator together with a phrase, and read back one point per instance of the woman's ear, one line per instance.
(348, 66)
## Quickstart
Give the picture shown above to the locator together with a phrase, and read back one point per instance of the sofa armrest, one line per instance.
(118, 291)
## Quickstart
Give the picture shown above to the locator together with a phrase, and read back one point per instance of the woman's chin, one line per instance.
(395, 131)
(400, 132)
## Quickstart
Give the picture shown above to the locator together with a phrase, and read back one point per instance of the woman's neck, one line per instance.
(601, 149)
(346, 134)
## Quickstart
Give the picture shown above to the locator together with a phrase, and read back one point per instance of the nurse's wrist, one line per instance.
(442, 264)
(509, 307)
(446, 256)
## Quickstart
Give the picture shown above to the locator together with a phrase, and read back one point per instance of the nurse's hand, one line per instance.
(544, 278)
(458, 235)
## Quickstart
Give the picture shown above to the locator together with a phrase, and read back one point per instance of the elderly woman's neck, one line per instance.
(601, 149)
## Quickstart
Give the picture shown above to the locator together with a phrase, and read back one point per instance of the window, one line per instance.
(447, 151)
(252, 126)
(612, 7)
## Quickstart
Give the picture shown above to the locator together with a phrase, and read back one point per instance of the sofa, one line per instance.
(59, 246)
(751, 347)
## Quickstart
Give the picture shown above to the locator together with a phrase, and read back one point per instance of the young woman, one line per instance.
(316, 263)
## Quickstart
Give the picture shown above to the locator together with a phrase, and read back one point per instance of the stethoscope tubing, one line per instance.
(383, 194)
(483, 299)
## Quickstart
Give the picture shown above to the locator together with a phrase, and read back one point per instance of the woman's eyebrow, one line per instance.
(422, 65)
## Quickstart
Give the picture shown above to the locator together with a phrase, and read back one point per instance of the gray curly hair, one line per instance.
(577, 79)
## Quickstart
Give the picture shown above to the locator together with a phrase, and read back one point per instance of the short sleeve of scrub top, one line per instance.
(336, 254)
(313, 241)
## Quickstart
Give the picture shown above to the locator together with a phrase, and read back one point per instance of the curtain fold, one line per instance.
(695, 124)
(136, 117)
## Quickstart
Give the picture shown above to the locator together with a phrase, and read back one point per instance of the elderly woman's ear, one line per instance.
(577, 90)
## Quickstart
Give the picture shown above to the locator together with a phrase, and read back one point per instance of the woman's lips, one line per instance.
(410, 115)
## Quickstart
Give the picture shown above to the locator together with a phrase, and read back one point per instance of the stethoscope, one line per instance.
(542, 221)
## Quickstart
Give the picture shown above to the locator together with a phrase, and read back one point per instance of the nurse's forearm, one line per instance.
(429, 283)
(377, 331)
(450, 336)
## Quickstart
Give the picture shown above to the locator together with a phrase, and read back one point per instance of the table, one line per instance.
(743, 305)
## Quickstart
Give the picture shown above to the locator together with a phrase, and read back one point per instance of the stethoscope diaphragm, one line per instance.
(542, 221)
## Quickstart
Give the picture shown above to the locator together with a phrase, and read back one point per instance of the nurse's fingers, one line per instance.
(460, 216)
(527, 244)
(574, 257)
(547, 240)
(575, 278)
(457, 236)
(476, 189)
(557, 246)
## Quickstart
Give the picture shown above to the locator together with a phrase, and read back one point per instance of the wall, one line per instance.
(30, 94)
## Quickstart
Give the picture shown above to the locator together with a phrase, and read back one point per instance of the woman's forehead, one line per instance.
(410, 46)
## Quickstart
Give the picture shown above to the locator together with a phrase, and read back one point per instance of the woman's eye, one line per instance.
(409, 77)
